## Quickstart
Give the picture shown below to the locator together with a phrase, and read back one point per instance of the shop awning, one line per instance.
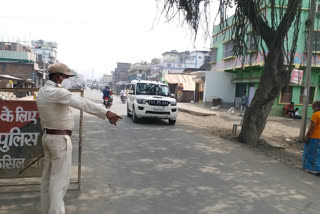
(9, 77)
(185, 80)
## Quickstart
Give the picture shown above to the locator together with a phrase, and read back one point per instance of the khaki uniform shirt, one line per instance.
(54, 107)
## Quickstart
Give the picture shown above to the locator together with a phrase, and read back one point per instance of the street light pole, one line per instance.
(306, 92)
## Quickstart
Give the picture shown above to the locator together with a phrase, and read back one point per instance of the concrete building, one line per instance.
(139, 70)
(155, 70)
(18, 62)
(46, 53)
(182, 64)
(107, 79)
(176, 62)
(247, 77)
(121, 72)
(120, 76)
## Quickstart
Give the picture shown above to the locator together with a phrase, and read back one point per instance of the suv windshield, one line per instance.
(152, 89)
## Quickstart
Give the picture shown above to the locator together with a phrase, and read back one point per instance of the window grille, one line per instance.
(252, 42)
(316, 41)
(228, 49)
(286, 95)
(213, 55)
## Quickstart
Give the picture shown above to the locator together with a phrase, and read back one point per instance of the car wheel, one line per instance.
(128, 111)
(172, 122)
(134, 116)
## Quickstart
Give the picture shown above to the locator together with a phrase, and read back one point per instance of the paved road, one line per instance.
(154, 168)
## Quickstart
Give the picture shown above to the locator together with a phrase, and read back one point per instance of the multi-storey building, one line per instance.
(107, 80)
(246, 77)
(176, 62)
(120, 76)
(120, 73)
(139, 70)
(155, 70)
(46, 52)
(18, 66)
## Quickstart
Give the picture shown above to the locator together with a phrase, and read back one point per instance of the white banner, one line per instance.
(296, 76)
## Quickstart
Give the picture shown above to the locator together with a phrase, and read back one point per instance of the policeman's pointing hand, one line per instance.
(113, 117)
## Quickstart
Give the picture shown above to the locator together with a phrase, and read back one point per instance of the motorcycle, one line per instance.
(108, 102)
(123, 99)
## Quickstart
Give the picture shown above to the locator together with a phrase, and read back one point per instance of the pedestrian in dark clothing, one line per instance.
(106, 92)
(244, 103)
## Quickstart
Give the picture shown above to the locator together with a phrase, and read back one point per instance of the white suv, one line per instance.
(151, 99)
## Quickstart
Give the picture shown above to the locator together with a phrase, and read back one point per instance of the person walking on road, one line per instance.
(311, 153)
(56, 118)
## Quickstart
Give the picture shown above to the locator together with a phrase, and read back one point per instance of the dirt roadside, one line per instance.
(282, 132)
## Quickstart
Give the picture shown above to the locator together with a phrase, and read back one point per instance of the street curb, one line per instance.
(197, 113)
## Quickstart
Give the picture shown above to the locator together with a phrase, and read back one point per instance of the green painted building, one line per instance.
(247, 76)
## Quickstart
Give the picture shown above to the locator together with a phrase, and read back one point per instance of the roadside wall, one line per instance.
(218, 85)
(22, 71)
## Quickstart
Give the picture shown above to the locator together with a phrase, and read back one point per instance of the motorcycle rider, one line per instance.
(123, 95)
(106, 92)
(107, 96)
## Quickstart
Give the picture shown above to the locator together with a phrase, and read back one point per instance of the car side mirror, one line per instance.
(172, 95)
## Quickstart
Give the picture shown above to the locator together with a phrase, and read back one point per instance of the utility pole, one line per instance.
(306, 92)
(145, 70)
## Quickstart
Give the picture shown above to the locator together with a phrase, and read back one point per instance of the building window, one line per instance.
(252, 42)
(213, 55)
(311, 95)
(228, 49)
(206, 59)
(286, 95)
(315, 41)
(7, 47)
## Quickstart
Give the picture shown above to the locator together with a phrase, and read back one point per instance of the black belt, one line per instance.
(58, 132)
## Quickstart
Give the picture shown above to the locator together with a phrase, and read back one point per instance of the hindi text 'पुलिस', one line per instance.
(16, 138)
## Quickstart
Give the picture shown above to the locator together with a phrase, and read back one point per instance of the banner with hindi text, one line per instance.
(20, 139)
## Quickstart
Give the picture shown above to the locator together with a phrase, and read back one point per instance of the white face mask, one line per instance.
(65, 83)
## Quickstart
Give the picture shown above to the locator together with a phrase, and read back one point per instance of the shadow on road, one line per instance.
(151, 167)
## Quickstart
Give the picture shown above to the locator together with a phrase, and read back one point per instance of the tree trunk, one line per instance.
(272, 80)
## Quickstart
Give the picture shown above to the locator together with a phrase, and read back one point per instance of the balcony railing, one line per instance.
(17, 56)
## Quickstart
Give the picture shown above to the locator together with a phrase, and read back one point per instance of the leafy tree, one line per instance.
(278, 52)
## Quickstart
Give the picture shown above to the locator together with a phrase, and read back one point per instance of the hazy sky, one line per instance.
(95, 35)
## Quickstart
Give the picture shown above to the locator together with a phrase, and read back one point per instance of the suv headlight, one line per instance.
(141, 101)
(173, 103)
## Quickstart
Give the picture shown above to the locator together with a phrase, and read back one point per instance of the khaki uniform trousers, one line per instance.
(56, 174)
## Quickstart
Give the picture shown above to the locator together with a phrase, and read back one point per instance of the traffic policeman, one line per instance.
(56, 118)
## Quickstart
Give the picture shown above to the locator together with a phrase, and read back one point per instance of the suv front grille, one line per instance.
(156, 112)
(158, 103)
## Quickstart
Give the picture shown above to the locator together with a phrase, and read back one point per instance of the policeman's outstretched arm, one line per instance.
(113, 117)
